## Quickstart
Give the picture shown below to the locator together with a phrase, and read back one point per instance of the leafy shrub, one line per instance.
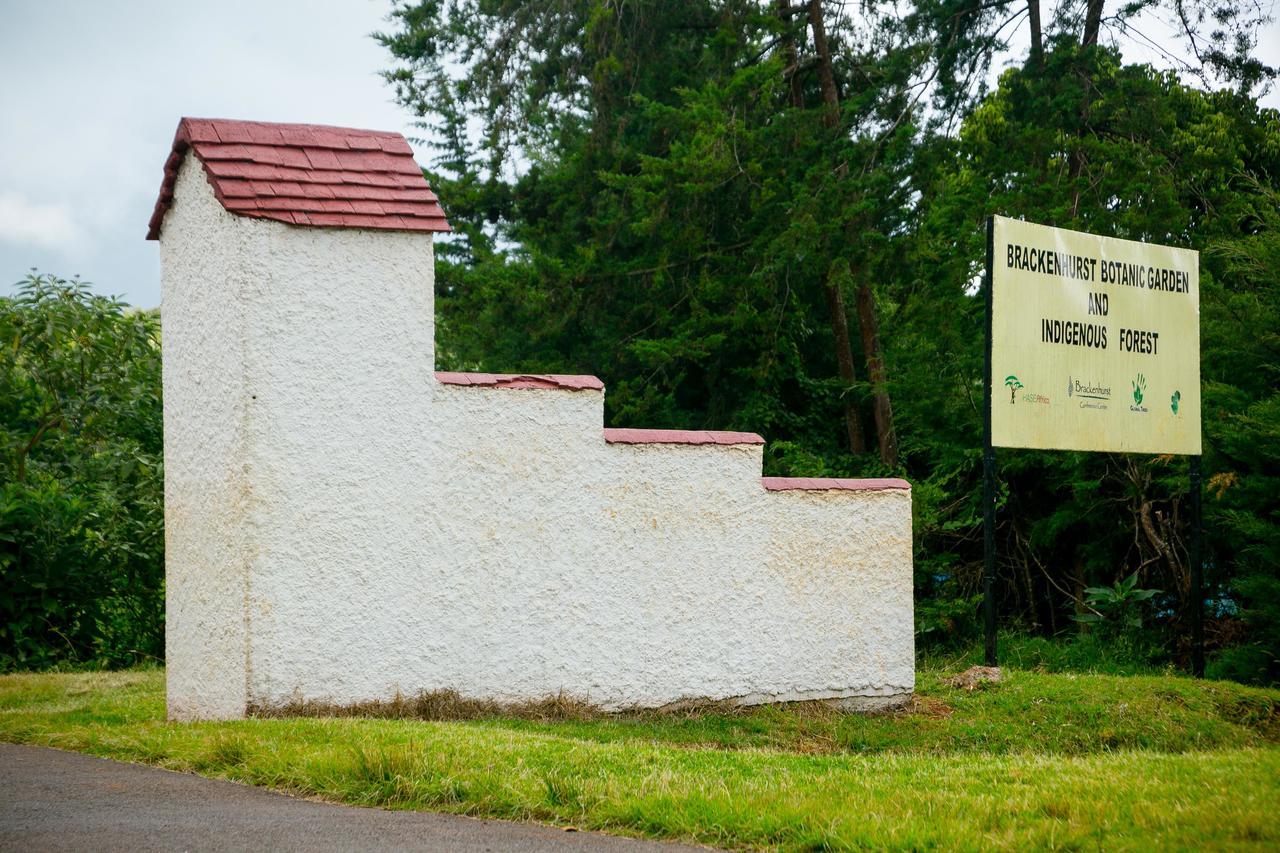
(1117, 607)
(81, 499)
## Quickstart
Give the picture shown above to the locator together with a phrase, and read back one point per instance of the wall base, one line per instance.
(872, 704)
(451, 705)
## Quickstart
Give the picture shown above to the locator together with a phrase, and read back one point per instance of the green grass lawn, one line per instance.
(1039, 760)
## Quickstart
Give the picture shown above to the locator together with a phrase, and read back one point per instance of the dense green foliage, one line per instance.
(1038, 761)
(81, 485)
(674, 196)
(1166, 163)
(1244, 432)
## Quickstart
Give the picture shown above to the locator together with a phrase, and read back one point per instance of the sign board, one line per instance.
(1095, 342)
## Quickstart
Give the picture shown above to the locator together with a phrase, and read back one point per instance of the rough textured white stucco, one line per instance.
(208, 460)
(340, 526)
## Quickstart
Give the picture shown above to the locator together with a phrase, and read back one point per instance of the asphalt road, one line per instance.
(53, 800)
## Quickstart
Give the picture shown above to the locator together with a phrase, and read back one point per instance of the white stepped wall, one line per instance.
(371, 530)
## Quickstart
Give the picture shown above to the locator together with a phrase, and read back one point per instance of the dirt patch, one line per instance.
(975, 677)
(927, 706)
(1259, 713)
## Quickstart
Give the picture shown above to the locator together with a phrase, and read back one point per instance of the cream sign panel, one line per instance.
(1095, 342)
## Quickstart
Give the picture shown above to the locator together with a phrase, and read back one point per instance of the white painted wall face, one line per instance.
(361, 529)
(208, 465)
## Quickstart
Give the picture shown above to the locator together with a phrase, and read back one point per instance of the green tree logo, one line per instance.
(1139, 389)
(1014, 385)
(1174, 400)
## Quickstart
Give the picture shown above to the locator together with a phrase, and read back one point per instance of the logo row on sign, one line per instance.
(1091, 395)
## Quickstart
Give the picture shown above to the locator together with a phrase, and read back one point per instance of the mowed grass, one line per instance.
(1039, 760)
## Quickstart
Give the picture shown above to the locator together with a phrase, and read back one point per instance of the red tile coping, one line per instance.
(305, 174)
(614, 435)
(788, 484)
(522, 380)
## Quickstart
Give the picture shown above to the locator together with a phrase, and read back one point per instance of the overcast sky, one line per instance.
(92, 92)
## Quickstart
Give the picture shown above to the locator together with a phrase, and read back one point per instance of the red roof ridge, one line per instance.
(199, 122)
(624, 435)
(562, 381)
(810, 484)
(305, 174)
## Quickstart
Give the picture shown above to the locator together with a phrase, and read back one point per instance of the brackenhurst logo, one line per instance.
(1175, 400)
(1093, 395)
(1088, 390)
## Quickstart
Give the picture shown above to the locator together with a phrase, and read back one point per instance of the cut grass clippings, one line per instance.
(1035, 761)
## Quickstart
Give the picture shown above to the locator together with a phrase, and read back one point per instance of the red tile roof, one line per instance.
(617, 435)
(789, 484)
(305, 174)
(522, 380)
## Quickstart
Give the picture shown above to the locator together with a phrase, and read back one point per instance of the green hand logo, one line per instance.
(1174, 400)
(1139, 388)
(1014, 385)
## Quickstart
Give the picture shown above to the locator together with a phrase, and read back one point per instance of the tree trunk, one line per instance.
(835, 296)
(826, 73)
(1037, 37)
(1159, 534)
(844, 358)
(1092, 23)
(885, 433)
(789, 54)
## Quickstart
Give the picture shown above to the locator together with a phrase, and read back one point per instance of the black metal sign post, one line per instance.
(989, 478)
(989, 510)
(1197, 593)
